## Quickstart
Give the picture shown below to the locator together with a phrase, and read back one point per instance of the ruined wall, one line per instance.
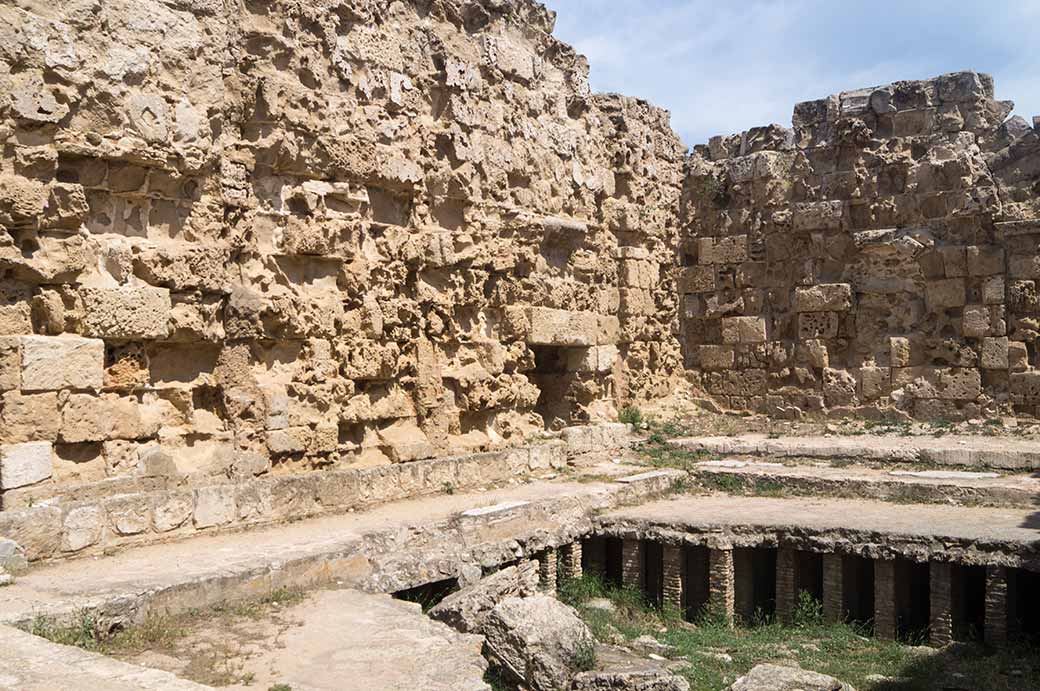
(882, 254)
(243, 238)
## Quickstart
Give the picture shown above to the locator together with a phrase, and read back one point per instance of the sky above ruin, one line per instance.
(722, 67)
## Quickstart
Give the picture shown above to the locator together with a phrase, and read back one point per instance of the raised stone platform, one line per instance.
(974, 451)
(386, 549)
(879, 530)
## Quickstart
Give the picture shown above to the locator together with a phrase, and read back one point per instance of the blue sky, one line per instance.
(722, 66)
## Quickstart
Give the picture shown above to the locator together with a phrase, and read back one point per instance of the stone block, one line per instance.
(29, 417)
(995, 353)
(831, 297)
(839, 387)
(985, 260)
(1025, 388)
(743, 330)
(874, 382)
(817, 325)
(25, 464)
(52, 363)
(594, 359)
(944, 294)
(724, 250)
(959, 384)
(561, 328)
(975, 321)
(10, 363)
(82, 528)
(955, 261)
(716, 357)
(1018, 356)
(129, 515)
(814, 353)
(128, 312)
(697, 279)
(214, 506)
(1024, 266)
(899, 351)
(993, 290)
(818, 215)
(173, 510)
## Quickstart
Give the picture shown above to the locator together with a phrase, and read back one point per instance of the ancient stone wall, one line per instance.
(243, 238)
(881, 255)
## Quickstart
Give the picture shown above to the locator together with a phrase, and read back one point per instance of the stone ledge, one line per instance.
(59, 528)
(386, 549)
(1006, 454)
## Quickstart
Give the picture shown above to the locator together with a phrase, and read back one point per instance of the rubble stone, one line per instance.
(536, 640)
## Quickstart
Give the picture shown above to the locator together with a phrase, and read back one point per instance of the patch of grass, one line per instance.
(719, 654)
(584, 658)
(279, 687)
(631, 415)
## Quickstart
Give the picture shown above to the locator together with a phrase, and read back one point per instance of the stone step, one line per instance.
(750, 475)
(1005, 453)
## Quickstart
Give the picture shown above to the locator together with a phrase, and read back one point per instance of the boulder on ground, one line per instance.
(539, 641)
(465, 610)
(781, 678)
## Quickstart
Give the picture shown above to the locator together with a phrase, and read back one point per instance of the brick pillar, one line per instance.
(570, 560)
(720, 584)
(671, 567)
(547, 570)
(785, 584)
(940, 579)
(833, 588)
(885, 625)
(996, 617)
(632, 564)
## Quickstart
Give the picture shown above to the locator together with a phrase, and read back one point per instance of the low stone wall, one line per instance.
(91, 526)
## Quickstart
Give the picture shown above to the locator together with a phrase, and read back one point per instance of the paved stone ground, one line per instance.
(979, 451)
(343, 639)
(28, 663)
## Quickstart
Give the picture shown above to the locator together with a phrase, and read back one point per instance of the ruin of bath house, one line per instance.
(287, 264)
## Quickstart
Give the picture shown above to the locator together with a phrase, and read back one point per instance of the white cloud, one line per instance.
(724, 67)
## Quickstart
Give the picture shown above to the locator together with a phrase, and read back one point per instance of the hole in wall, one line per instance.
(858, 589)
(696, 583)
(969, 602)
(754, 571)
(551, 377)
(428, 594)
(912, 600)
(652, 555)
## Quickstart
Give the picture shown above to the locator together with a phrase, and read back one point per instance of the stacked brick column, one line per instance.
(632, 564)
(885, 625)
(996, 616)
(673, 580)
(785, 584)
(547, 570)
(720, 584)
(941, 602)
(570, 560)
(833, 588)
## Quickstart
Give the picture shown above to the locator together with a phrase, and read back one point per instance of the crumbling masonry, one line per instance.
(258, 257)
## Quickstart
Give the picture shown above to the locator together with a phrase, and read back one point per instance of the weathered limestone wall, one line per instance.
(261, 237)
(881, 254)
